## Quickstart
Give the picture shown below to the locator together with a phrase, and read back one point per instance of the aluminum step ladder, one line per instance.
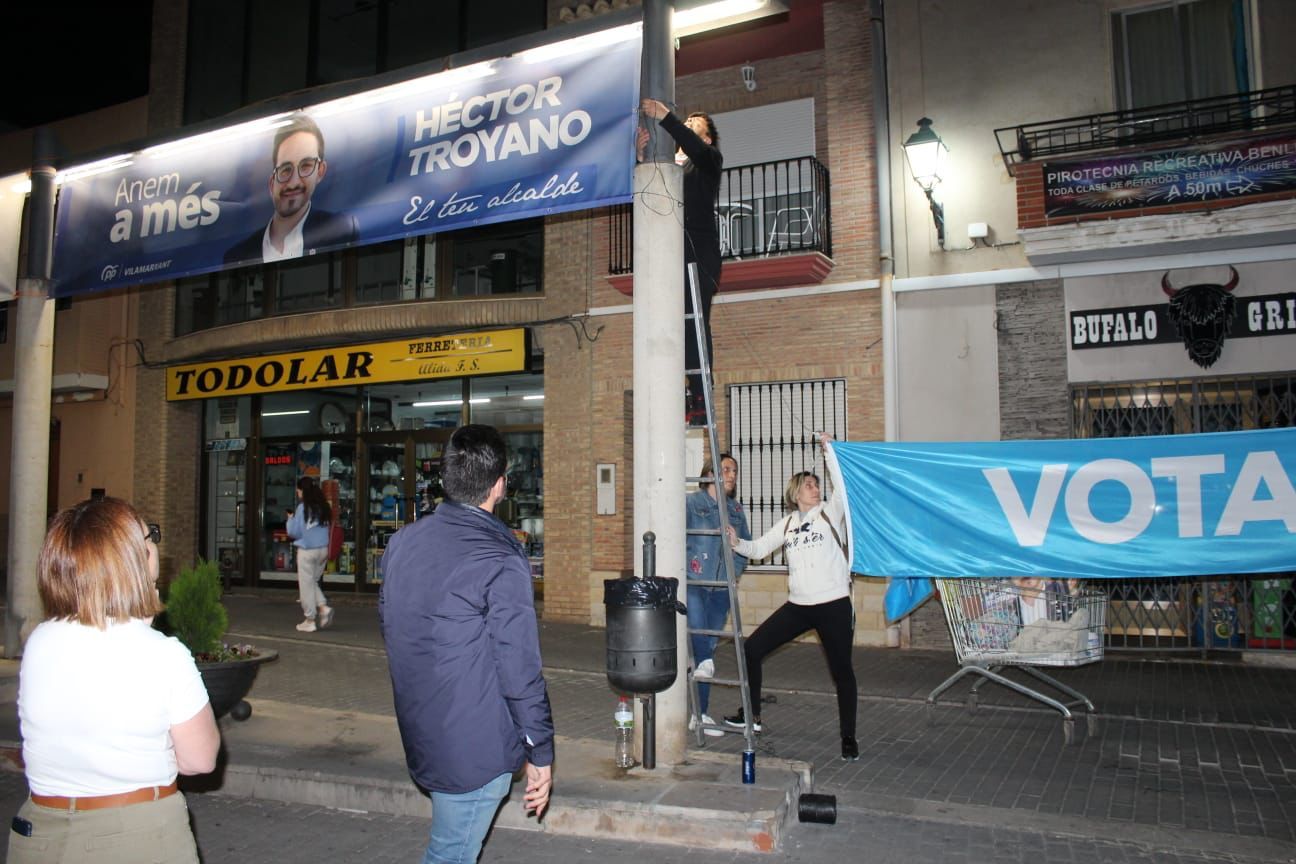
(730, 582)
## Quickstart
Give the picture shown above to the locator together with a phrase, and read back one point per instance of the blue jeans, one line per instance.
(460, 822)
(707, 610)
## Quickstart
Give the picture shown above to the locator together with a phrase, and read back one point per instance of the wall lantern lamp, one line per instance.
(925, 152)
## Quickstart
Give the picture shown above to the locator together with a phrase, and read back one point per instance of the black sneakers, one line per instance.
(850, 750)
(739, 721)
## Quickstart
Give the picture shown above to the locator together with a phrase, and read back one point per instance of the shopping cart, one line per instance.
(999, 623)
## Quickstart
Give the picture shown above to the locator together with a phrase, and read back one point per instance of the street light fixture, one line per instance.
(925, 152)
(698, 16)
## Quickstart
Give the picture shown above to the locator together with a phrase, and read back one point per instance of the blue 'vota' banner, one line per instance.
(1110, 508)
(512, 138)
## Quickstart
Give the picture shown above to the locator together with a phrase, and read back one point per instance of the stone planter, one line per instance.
(229, 681)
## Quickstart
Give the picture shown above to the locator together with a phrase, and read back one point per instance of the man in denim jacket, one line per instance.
(708, 607)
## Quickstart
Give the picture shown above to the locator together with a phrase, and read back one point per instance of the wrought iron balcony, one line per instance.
(1243, 112)
(774, 208)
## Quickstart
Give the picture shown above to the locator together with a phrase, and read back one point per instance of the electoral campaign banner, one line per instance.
(1173, 505)
(543, 131)
(13, 195)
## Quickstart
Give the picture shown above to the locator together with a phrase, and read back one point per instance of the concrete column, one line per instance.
(659, 360)
(33, 380)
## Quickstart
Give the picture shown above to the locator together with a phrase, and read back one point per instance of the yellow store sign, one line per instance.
(450, 356)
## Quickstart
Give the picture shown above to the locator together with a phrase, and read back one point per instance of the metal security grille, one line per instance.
(772, 434)
(1218, 613)
(1182, 406)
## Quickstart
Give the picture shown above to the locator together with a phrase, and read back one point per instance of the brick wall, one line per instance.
(568, 436)
(167, 64)
(849, 109)
(774, 339)
(777, 339)
(168, 441)
(168, 436)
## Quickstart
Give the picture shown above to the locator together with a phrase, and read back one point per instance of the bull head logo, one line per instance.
(1202, 316)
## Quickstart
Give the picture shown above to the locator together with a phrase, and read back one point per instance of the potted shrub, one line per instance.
(196, 616)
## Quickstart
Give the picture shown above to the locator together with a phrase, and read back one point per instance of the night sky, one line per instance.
(65, 58)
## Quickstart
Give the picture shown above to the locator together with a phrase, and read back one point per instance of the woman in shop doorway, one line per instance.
(699, 154)
(819, 595)
(308, 525)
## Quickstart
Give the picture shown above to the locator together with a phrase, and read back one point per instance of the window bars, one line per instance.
(772, 434)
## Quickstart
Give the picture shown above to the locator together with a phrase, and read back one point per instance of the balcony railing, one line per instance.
(774, 208)
(1243, 112)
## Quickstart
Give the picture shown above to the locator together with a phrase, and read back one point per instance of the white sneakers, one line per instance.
(706, 722)
(325, 619)
(705, 671)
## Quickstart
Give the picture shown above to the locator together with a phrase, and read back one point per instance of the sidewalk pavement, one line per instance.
(1190, 756)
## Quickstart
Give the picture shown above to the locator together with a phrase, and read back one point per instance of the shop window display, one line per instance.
(376, 452)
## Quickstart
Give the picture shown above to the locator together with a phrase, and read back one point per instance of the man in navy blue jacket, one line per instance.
(463, 648)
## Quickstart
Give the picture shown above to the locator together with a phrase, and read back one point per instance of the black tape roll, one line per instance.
(813, 807)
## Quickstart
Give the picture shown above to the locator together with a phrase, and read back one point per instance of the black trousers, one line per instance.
(834, 621)
(706, 254)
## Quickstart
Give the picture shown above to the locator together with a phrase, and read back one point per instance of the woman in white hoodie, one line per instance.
(819, 582)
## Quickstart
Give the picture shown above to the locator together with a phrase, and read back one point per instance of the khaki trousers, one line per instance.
(154, 831)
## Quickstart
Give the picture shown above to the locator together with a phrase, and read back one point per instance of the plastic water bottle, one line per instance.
(624, 719)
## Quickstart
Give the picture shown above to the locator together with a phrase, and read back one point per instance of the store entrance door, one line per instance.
(404, 484)
(333, 464)
(374, 484)
(278, 500)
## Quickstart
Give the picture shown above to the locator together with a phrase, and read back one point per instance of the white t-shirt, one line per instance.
(1034, 608)
(96, 707)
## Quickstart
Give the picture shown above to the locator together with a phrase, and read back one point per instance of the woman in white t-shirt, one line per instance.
(819, 586)
(110, 709)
